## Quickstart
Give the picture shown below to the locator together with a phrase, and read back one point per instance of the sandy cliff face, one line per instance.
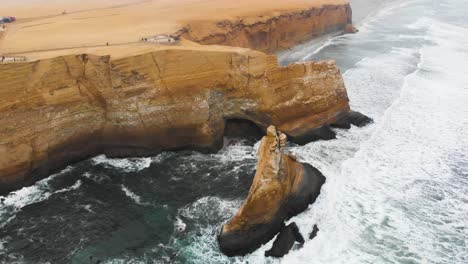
(271, 33)
(60, 110)
(282, 188)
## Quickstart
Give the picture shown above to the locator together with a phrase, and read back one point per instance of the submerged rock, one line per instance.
(314, 232)
(342, 120)
(282, 188)
(324, 132)
(285, 241)
(345, 120)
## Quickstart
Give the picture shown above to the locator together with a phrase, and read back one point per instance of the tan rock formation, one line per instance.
(282, 188)
(271, 33)
(61, 110)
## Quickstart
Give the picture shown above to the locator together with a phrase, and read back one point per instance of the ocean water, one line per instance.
(396, 190)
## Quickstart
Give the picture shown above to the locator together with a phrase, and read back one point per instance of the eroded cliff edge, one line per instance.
(271, 33)
(57, 111)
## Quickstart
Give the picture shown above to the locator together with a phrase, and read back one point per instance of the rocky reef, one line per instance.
(270, 33)
(285, 241)
(57, 111)
(282, 188)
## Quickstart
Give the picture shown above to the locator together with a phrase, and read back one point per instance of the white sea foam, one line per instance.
(396, 199)
(210, 207)
(128, 164)
(136, 198)
(180, 226)
(28, 195)
(2, 247)
(100, 177)
(16, 200)
(204, 248)
(75, 186)
(368, 24)
(236, 151)
(88, 208)
(394, 192)
(40, 191)
(372, 89)
(306, 51)
(143, 260)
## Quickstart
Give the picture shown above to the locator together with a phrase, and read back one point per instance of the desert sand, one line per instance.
(41, 26)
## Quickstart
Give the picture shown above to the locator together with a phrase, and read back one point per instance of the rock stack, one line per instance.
(282, 188)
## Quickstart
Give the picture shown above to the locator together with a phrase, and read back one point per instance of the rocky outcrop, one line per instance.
(285, 241)
(57, 111)
(350, 29)
(351, 118)
(271, 33)
(282, 188)
(314, 232)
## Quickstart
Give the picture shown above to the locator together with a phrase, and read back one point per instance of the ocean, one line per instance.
(396, 190)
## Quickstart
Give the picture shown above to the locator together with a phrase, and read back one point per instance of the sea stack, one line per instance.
(282, 188)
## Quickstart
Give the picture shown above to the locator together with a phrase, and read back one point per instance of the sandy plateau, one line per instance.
(42, 26)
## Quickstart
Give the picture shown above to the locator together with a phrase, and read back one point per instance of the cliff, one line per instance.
(270, 33)
(282, 188)
(65, 109)
(257, 24)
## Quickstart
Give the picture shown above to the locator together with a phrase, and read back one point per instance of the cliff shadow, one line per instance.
(238, 128)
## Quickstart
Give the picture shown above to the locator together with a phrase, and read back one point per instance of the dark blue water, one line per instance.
(132, 209)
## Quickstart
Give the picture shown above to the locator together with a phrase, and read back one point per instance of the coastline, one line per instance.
(73, 89)
(67, 103)
(73, 107)
(394, 190)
